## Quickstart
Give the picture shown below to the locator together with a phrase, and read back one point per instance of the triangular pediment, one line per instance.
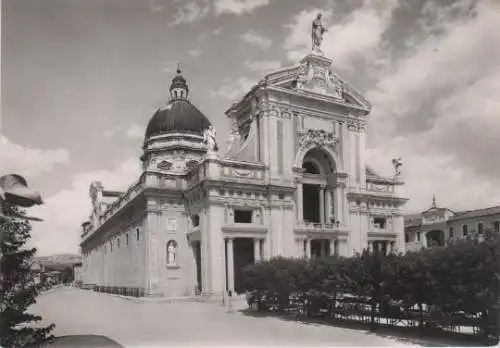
(315, 77)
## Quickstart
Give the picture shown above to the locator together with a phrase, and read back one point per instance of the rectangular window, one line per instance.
(465, 230)
(242, 216)
(407, 238)
(118, 242)
(451, 232)
(126, 238)
(137, 234)
(496, 226)
(195, 219)
(379, 222)
(480, 228)
(111, 246)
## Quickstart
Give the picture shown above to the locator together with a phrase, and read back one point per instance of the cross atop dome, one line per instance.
(179, 88)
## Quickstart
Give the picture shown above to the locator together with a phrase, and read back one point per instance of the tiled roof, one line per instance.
(476, 213)
(416, 219)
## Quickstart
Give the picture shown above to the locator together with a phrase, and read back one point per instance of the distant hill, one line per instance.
(59, 261)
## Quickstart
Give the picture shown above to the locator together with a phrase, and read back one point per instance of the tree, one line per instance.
(18, 288)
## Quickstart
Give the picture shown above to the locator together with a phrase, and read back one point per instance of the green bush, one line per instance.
(458, 280)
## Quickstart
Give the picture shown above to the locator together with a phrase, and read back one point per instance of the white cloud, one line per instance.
(29, 162)
(66, 210)
(232, 89)
(238, 7)
(135, 131)
(195, 52)
(262, 66)
(438, 108)
(357, 36)
(189, 11)
(256, 39)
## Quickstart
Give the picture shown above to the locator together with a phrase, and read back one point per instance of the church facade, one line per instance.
(294, 182)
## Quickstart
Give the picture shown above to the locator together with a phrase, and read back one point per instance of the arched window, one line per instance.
(311, 168)
(171, 252)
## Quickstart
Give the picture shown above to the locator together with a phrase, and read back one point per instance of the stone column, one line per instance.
(308, 248)
(332, 247)
(322, 204)
(300, 202)
(300, 247)
(393, 246)
(370, 246)
(256, 249)
(230, 263)
(338, 205)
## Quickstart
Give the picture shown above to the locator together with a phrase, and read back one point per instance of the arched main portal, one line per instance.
(435, 238)
(319, 184)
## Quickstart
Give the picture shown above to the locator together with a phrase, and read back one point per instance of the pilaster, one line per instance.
(153, 264)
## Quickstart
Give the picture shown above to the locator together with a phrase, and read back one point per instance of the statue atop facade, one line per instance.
(397, 163)
(317, 33)
(209, 138)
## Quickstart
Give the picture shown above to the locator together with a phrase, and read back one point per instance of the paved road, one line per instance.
(132, 324)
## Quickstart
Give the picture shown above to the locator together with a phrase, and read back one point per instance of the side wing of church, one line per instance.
(293, 183)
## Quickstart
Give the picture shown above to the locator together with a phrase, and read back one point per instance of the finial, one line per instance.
(178, 67)
(434, 201)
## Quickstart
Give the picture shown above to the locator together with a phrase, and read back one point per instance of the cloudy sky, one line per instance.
(81, 78)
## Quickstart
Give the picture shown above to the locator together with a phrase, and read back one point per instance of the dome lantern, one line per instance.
(179, 88)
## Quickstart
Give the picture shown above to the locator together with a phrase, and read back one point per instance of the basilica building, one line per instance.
(294, 182)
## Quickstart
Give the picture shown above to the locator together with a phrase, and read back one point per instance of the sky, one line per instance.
(81, 79)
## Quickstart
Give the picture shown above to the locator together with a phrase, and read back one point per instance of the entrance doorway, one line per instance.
(435, 238)
(311, 203)
(320, 248)
(243, 251)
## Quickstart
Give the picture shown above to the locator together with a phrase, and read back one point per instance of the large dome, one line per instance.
(180, 116)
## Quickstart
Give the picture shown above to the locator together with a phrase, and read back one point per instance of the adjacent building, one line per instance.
(437, 225)
(294, 182)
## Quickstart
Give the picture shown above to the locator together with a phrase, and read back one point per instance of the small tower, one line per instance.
(179, 88)
(434, 205)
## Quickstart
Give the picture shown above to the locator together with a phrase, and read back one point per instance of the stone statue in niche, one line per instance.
(171, 252)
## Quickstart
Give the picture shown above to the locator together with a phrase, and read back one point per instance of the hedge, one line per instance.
(439, 288)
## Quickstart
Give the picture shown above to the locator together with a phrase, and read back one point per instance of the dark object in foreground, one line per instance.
(14, 190)
(81, 341)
